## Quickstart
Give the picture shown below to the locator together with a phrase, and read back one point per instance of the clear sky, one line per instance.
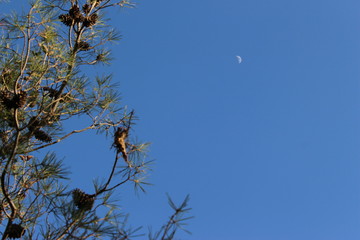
(268, 149)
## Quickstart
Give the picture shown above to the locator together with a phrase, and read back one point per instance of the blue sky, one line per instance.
(267, 149)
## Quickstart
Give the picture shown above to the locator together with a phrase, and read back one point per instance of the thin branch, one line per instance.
(62, 138)
(110, 177)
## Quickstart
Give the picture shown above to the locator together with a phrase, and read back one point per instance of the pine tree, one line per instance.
(44, 82)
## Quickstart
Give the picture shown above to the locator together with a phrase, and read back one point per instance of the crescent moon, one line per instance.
(239, 59)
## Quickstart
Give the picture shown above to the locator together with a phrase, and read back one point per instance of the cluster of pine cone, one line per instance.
(15, 231)
(84, 17)
(75, 16)
(34, 127)
(12, 100)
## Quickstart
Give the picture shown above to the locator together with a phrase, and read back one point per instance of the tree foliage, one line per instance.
(46, 53)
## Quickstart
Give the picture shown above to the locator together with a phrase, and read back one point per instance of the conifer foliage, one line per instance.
(46, 54)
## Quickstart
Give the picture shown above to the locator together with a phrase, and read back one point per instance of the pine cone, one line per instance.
(86, 8)
(83, 46)
(75, 13)
(42, 136)
(33, 124)
(90, 20)
(20, 99)
(82, 200)
(66, 19)
(15, 231)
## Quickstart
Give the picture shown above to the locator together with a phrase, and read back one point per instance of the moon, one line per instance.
(239, 59)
